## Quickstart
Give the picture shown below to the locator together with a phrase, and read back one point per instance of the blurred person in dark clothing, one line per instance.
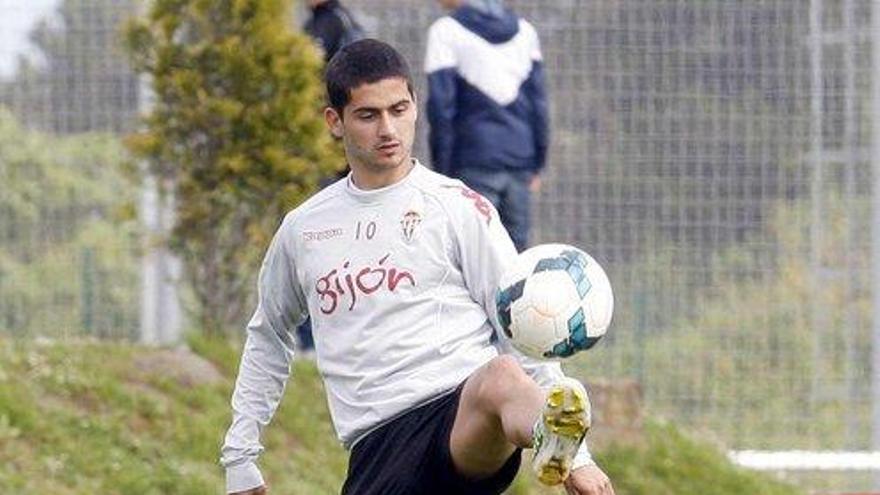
(487, 106)
(332, 26)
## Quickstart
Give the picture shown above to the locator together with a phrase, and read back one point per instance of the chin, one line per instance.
(389, 162)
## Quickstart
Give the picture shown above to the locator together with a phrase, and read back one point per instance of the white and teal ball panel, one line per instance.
(554, 301)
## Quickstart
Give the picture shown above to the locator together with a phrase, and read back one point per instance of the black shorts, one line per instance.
(410, 456)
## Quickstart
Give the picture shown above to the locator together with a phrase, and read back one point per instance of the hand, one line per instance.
(260, 490)
(588, 480)
(535, 184)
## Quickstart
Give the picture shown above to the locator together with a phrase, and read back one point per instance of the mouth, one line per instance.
(389, 148)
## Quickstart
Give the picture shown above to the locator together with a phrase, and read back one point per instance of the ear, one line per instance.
(334, 122)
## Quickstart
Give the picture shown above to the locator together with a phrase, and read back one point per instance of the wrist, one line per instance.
(582, 458)
(243, 477)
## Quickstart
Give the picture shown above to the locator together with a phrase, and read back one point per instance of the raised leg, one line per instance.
(498, 408)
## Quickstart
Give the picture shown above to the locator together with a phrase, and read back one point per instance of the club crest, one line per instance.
(409, 223)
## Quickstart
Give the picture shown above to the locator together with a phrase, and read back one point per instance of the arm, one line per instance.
(440, 66)
(265, 363)
(536, 92)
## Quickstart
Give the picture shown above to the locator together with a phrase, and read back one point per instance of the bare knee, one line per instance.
(504, 367)
(500, 379)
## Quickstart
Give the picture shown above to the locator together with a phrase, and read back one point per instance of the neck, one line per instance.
(366, 179)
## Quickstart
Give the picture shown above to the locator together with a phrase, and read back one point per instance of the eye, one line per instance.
(367, 116)
(399, 109)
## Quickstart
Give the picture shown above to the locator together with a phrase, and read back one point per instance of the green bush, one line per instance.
(235, 134)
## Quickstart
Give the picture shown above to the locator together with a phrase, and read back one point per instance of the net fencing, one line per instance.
(69, 236)
(715, 156)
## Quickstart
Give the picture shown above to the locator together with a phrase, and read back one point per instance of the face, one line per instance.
(377, 128)
(450, 4)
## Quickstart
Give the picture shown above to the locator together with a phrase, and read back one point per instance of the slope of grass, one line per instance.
(82, 418)
(671, 463)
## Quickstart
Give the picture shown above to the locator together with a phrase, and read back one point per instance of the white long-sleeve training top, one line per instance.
(400, 284)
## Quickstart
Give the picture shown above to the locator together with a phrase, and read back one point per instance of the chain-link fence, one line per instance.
(69, 237)
(714, 155)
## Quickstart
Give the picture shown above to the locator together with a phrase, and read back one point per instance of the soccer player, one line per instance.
(397, 266)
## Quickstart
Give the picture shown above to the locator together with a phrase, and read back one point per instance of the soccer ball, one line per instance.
(553, 301)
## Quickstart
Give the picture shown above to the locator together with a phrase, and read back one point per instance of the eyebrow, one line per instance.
(376, 109)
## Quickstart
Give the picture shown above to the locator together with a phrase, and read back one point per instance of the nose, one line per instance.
(386, 126)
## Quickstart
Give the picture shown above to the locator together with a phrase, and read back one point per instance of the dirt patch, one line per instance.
(181, 365)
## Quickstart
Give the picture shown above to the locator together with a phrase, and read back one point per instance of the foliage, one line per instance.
(235, 133)
(67, 235)
(670, 463)
(83, 82)
(770, 352)
(762, 347)
(80, 418)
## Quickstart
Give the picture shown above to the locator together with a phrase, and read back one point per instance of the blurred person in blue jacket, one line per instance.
(487, 106)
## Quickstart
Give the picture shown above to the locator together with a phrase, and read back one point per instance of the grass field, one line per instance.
(84, 418)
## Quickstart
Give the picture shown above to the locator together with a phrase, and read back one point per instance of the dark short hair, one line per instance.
(365, 61)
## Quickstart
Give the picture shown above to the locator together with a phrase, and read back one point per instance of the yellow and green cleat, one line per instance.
(560, 430)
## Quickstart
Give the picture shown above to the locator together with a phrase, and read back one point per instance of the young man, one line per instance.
(487, 106)
(397, 266)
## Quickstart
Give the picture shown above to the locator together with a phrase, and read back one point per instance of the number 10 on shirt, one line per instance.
(365, 230)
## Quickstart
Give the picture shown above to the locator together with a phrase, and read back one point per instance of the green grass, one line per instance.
(82, 418)
(671, 463)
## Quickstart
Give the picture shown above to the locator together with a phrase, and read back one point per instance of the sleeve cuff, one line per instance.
(243, 477)
(582, 458)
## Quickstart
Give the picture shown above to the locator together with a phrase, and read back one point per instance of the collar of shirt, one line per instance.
(383, 193)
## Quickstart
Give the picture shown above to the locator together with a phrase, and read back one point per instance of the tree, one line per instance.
(235, 134)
